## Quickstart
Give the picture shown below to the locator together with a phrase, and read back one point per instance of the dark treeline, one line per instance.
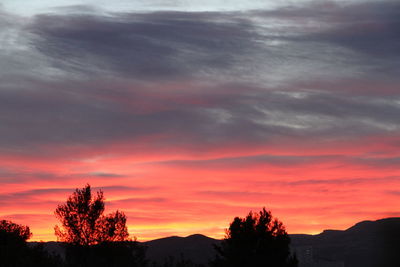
(91, 239)
(15, 252)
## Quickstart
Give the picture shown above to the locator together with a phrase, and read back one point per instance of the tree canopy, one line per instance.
(15, 252)
(83, 222)
(17, 231)
(255, 240)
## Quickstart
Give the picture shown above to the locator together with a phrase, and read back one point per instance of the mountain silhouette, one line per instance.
(197, 248)
(366, 244)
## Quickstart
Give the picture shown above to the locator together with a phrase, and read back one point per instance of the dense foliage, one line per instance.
(256, 240)
(14, 251)
(83, 222)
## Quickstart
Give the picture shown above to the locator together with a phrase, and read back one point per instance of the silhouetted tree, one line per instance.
(16, 231)
(257, 240)
(15, 252)
(83, 222)
(12, 243)
(94, 239)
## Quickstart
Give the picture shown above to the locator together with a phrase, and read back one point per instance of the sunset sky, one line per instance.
(188, 113)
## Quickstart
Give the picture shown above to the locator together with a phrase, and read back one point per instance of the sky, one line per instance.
(188, 115)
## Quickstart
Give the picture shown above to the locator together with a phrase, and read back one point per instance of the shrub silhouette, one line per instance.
(256, 240)
(12, 242)
(83, 222)
(14, 251)
(14, 231)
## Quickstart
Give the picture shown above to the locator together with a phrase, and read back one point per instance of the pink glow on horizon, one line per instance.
(289, 109)
(163, 195)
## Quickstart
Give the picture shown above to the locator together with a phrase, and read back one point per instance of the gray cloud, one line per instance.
(139, 200)
(234, 194)
(10, 175)
(199, 79)
(39, 195)
(392, 192)
(367, 28)
(347, 181)
(144, 46)
(290, 161)
(371, 28)
(36, 116)
(249, 161)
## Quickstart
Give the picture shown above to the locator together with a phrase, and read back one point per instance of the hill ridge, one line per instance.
(365, 244)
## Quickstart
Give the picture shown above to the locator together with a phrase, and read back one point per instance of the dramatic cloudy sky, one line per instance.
(189, 114)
